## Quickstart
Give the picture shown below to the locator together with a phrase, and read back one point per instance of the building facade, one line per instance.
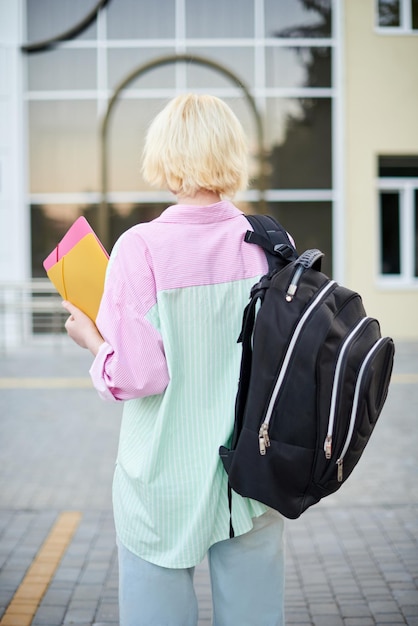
(326, 90)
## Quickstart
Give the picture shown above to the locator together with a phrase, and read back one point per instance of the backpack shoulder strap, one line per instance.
(273, 238)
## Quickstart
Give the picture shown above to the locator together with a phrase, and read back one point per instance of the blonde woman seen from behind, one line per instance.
(165, 345)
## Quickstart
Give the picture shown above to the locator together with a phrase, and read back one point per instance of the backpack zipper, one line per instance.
(353, 416)
(336, 385)
(263, 436)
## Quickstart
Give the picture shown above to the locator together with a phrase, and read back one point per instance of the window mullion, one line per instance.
(406, 15)
(180, 68)
(102, 65)
(407, 232)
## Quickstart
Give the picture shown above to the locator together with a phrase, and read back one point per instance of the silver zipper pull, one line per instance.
(263, 439)
(290, 293)
(328, 447)
(340, 470)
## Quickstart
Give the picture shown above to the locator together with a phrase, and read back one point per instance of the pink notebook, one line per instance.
(77, 231)
(77, 267)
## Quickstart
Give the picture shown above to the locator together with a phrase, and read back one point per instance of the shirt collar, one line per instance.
(190, 214)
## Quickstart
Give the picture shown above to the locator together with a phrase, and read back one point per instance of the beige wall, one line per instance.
(381, 117)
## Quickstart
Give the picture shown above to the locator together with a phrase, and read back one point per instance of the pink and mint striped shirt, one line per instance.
(170, 315)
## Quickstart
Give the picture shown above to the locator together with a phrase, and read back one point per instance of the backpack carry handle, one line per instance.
(311, 259)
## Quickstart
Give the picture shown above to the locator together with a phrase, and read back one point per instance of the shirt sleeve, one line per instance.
(131, 363)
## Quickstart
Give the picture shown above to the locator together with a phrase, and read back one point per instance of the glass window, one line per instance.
(298, 67)
(63, 144)
(389, 13)
(47, 18)
(240, 61)
(398, 166)
(64, 134)
(401, 14)
(129, 124)
(219, 19)
(288, 18)
(141, 19)
(298, 135)
(398, 207)
(390, 260)
(123, 61)
(62, 69)
(310, 224)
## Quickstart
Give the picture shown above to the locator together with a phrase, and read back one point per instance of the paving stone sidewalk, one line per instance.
(351, 560)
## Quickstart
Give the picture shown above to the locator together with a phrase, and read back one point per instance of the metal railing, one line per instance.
(31, 315)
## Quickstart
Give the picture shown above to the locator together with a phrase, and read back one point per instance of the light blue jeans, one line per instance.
(247, 579)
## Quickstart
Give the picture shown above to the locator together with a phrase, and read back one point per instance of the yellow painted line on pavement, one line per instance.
(45, 383)
(30, 592)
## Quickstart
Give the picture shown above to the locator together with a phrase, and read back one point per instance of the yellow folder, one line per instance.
(79, 273)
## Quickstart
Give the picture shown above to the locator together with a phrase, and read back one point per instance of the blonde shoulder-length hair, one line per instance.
(196, 142)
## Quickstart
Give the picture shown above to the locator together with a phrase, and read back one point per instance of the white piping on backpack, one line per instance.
(355, 407)
(336, 384)
(263, 434)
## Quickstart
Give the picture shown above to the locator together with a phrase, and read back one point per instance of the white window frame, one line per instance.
(406, 188)
(405, 26)
(261, 92)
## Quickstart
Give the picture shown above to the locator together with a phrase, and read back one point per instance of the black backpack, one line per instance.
(314, 377)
